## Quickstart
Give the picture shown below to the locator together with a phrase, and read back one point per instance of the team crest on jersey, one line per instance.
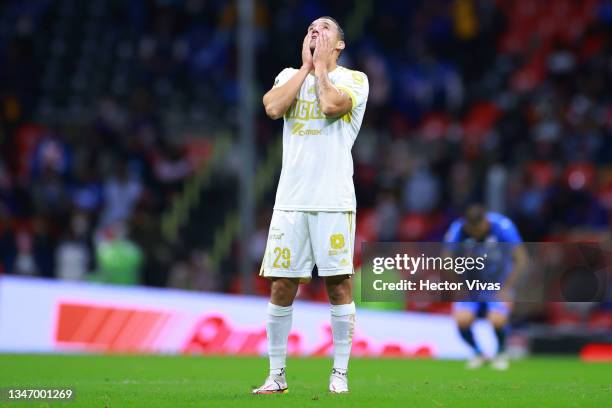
(337, 241)
(337, 244)
(312, 90)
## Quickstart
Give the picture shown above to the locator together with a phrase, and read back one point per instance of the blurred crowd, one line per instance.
(502, 101)
(521, 123)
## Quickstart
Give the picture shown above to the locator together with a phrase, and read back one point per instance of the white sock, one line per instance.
(343, 325)
(277, 371)
(277, 328)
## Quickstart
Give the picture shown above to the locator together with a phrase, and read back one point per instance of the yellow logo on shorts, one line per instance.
(336, 241)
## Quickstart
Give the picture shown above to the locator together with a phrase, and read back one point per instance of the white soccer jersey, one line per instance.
(317, 172)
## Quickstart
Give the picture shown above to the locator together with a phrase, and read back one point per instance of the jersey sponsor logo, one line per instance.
(305, 110)
(298, 130)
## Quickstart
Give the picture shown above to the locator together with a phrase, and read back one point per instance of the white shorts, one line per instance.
(299, 239)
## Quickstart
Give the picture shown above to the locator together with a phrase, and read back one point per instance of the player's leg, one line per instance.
(342, 310)
(464, 314)
(333, 237)
(278, 325)
(279, 320)
(498, 316)
(287, 261)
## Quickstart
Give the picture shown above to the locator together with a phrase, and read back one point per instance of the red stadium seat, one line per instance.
(529, 76)
(262, 286)
(580, 176)
(434, 126)
(601, 319)
(543, 173)
(413, 227)
(604, 192)
(26, 139)
(197, 151)
(559, 316)
(477, 124)
(367, 224)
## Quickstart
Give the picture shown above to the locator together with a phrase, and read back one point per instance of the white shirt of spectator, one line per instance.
(120, 198)
(72, 260)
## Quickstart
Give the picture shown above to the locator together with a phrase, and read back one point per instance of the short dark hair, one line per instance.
(475, 213)
(340, 30)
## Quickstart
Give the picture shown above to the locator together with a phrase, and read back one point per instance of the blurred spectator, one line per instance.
(74, 258)
(421, 192)
(49, 192)
(8, 244)
(50, 154)
(157, 255)
(25, 262)
(119, 259)
(171, 168)
(194, 274)
(86, 190)
(387, 216)
(121, 193)
(43, 248)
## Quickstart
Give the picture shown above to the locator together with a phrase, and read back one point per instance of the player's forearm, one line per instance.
(331, 99)
(520, 259)
(278, 99)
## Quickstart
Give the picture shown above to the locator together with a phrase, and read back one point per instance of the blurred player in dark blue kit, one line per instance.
(481, 230)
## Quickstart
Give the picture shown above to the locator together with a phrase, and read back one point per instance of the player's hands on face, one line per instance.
(324, 50)
(307, 53)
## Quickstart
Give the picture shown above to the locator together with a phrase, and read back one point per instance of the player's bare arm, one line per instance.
(520, 259)
(334, 102)
(278, 99)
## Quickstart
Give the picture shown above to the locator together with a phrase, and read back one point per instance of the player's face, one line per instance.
(478, 229)
(319, 26)
(476, 225)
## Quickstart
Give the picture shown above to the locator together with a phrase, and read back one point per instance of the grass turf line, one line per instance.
(186, 381)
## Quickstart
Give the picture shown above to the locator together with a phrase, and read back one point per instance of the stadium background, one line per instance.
(121, 154)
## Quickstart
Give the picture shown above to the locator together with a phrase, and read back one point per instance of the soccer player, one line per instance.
(313, 221)
(480, 226)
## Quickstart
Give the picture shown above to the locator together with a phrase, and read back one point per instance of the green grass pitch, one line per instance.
(170, 381)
